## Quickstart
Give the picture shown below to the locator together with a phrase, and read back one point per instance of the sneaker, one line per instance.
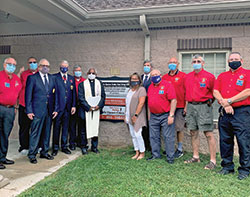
(178, 154)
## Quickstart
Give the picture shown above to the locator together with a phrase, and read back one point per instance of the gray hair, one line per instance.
(43, 59)
(64, 62)
(77, 66)
(197, 56)
(6, 59)
(148, 61)
(92, 69)
(237, 53)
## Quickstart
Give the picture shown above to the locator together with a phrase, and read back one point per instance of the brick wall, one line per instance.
(119, 49)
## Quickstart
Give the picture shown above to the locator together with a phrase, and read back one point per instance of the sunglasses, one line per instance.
(91, 73)
(32, 62)
(44, 65)
(196, 61)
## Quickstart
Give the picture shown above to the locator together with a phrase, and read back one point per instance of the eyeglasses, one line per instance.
(91, 73)
(196, 61)
(11, 64)
(32, 62)
(44, 65)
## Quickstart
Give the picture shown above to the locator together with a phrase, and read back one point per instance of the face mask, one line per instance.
(197, 66)
(172, 66)
(33, 66)
(78, 73)
(64, 69)
(134, 83)
(91, 76)
(10, 68)
(234, 65)
(156, 79)
(146, 69)
(45, 70)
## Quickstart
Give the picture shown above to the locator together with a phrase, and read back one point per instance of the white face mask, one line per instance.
(91, 76)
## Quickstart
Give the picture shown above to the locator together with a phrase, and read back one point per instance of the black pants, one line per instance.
(235, 125)
(7, 117)
(145, 131)
(24, 128)
(74, 129)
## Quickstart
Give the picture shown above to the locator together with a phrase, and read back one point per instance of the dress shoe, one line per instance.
(72, 147)
(48, 156)
(152, 158)
(33, 160)
(225, 172)
(54, 152)
(8, 162)
(95, 150)
(66, 151)
(242, 176)
(170, 161)
(84, 151)
(2, 166)
(20, 149)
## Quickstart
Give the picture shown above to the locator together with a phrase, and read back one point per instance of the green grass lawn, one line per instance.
(113, 173)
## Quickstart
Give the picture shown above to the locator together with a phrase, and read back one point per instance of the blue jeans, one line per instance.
(157, 123)
(7, 117)
(235, 125)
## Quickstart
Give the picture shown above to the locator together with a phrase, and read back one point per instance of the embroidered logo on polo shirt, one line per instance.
(161, 91)
(203, 80)
(16, 84)
(162, 87)
(7, 85)
(177, 79)
(241, 76)
(239, 82)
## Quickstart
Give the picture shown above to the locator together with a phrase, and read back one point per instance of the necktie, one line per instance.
(64, 78)
(46, 84)
(145, 80)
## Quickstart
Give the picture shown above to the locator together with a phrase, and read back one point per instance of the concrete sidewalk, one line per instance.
(22, 175)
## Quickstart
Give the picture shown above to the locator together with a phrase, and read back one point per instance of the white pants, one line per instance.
(137, 139)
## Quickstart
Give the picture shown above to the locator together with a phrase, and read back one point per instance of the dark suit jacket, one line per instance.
(37, 100)
(66, 92)
(84, 106)
(147, 83)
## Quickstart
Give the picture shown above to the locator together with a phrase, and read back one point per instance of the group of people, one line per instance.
(158, 104)
(71, 103)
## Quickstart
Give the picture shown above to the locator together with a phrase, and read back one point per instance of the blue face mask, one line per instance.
(172, 66)
(134, 83)
(197, 66)
(156, 79)
(146, 69)
(64, 69)
(78, 73)
(10, 68)
(33, 66)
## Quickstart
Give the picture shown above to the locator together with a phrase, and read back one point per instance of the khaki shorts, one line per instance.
(199, 117)
(179, 119)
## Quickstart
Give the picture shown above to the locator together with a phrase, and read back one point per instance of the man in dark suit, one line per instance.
(146, 79)
(91, 87)
(41, 108)
(66, 91)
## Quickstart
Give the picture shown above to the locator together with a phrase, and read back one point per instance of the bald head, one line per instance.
(155, 72)
(173, 60)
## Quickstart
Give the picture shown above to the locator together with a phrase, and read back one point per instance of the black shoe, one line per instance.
(225, 172)
(84, 151)
(20, 149)
(72, 147)
(2, 166)
(95, 150)
(33, 160)
(242, 176)
(8, 162)
(54, 152)
(178, 154)
(170, 161)
(152, 158)
(66, 151)
(164, 152)
(48, 156)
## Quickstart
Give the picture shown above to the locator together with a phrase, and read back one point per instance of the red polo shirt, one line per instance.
(178, 80)
(199, 86)
(23, 78)
(77, 84)
(231, 83)
(159, 97)
(9, 88)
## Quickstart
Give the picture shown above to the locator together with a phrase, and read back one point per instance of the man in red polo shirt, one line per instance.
(232, 90)
(75, 121)
(199, 86)
(162, 105)
(177, 78)
(10, 86)
(23, 120)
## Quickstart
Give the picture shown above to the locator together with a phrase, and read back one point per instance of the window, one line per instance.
(215, 63)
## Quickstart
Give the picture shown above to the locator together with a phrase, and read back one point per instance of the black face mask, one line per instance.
(234, 65)
(134, 83)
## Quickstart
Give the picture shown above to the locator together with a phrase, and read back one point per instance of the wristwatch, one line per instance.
(229, 101)
(136, 115)
(171, 116)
